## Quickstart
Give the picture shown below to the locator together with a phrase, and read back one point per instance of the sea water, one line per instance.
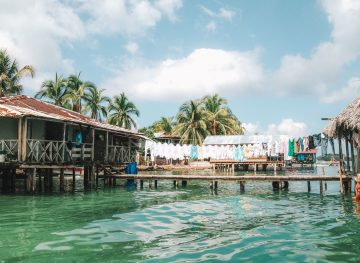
(192, 224)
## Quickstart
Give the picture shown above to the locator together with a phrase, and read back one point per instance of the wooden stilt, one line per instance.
(309, 186)
(340, 165)
(97, 176)
(62, 185)
(33, 182)
(352, 154)
(242, 186)
(13, 180)
(155, 183)
(50, 180)
(73, 179)
(39, 181)
(183, 183)
(86, 177)
(347, 154)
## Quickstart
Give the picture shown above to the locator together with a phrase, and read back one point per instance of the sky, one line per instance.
(282, 65)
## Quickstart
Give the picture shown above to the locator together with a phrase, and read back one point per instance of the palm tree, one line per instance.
(55, 90)
(121, 111)
(191, 123)
(77, 89)
(164, 125)
(10, 75)
(95, 102)
(220, 119)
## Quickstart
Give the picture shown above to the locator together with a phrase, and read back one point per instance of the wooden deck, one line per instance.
(242, 178)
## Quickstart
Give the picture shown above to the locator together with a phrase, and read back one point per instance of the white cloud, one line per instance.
(34, 31)
(251, 128)
(221, 13)
(350, 91)
(204, 71)
(132, 47)
(169, 8)
(288, 127)
(127, 16)
(211, 26)
(317, 73)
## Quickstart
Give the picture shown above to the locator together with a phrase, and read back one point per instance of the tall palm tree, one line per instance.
(220, 119)
(164, 125)
(95, 103)
(10, 75)
(191, 123)
(121, 111)
(77, 89)
(55, 90)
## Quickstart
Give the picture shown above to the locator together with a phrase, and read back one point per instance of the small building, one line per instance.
(36, 132)
(346, 128)
(166, 138)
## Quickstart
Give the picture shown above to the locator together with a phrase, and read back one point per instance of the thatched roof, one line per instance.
(346, 122)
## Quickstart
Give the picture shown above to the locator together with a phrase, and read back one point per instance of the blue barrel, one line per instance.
(131, 168)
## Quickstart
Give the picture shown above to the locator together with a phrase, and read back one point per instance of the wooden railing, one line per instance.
(45, 151)
(10, 147)
(121, 154)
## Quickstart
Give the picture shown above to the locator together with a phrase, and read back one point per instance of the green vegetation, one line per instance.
(195, 120)
(11, 74)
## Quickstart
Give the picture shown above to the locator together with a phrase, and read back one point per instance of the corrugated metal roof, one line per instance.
(18, 106)
(239, 139)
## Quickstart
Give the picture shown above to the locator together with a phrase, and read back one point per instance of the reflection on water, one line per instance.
(189, 224)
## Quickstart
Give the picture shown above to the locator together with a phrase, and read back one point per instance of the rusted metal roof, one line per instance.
(20, 106)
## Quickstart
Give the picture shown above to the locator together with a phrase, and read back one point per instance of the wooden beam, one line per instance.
(19, 139)
(352, 154)
(347, 154)
(107, 147)
(24, 139)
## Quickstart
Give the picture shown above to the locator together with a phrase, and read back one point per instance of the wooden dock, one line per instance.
(232, 177)
(278, 181)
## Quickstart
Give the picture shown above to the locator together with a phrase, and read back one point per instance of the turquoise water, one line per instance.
(192, 224)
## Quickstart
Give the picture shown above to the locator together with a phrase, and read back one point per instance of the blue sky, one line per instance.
(281, 64)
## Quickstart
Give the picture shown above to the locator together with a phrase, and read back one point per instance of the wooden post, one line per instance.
(20, 139)
(242, 186)
(340, 165)
(141, 184)
(93, 145)
(62, 186)
(13, 180)
(97, 176)
(107, 147)
(352, 154)
(86, 176)
(216, 185)
(347, 154)
(24, 139)
(309, 186)
(50, 179)
(40, 181)
(73, 179)
(33, 183)
(156, 183)
(64, 143)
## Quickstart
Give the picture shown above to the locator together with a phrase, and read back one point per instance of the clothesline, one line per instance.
(284, 148)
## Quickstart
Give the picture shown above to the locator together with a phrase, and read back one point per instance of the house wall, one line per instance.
(8, 128)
